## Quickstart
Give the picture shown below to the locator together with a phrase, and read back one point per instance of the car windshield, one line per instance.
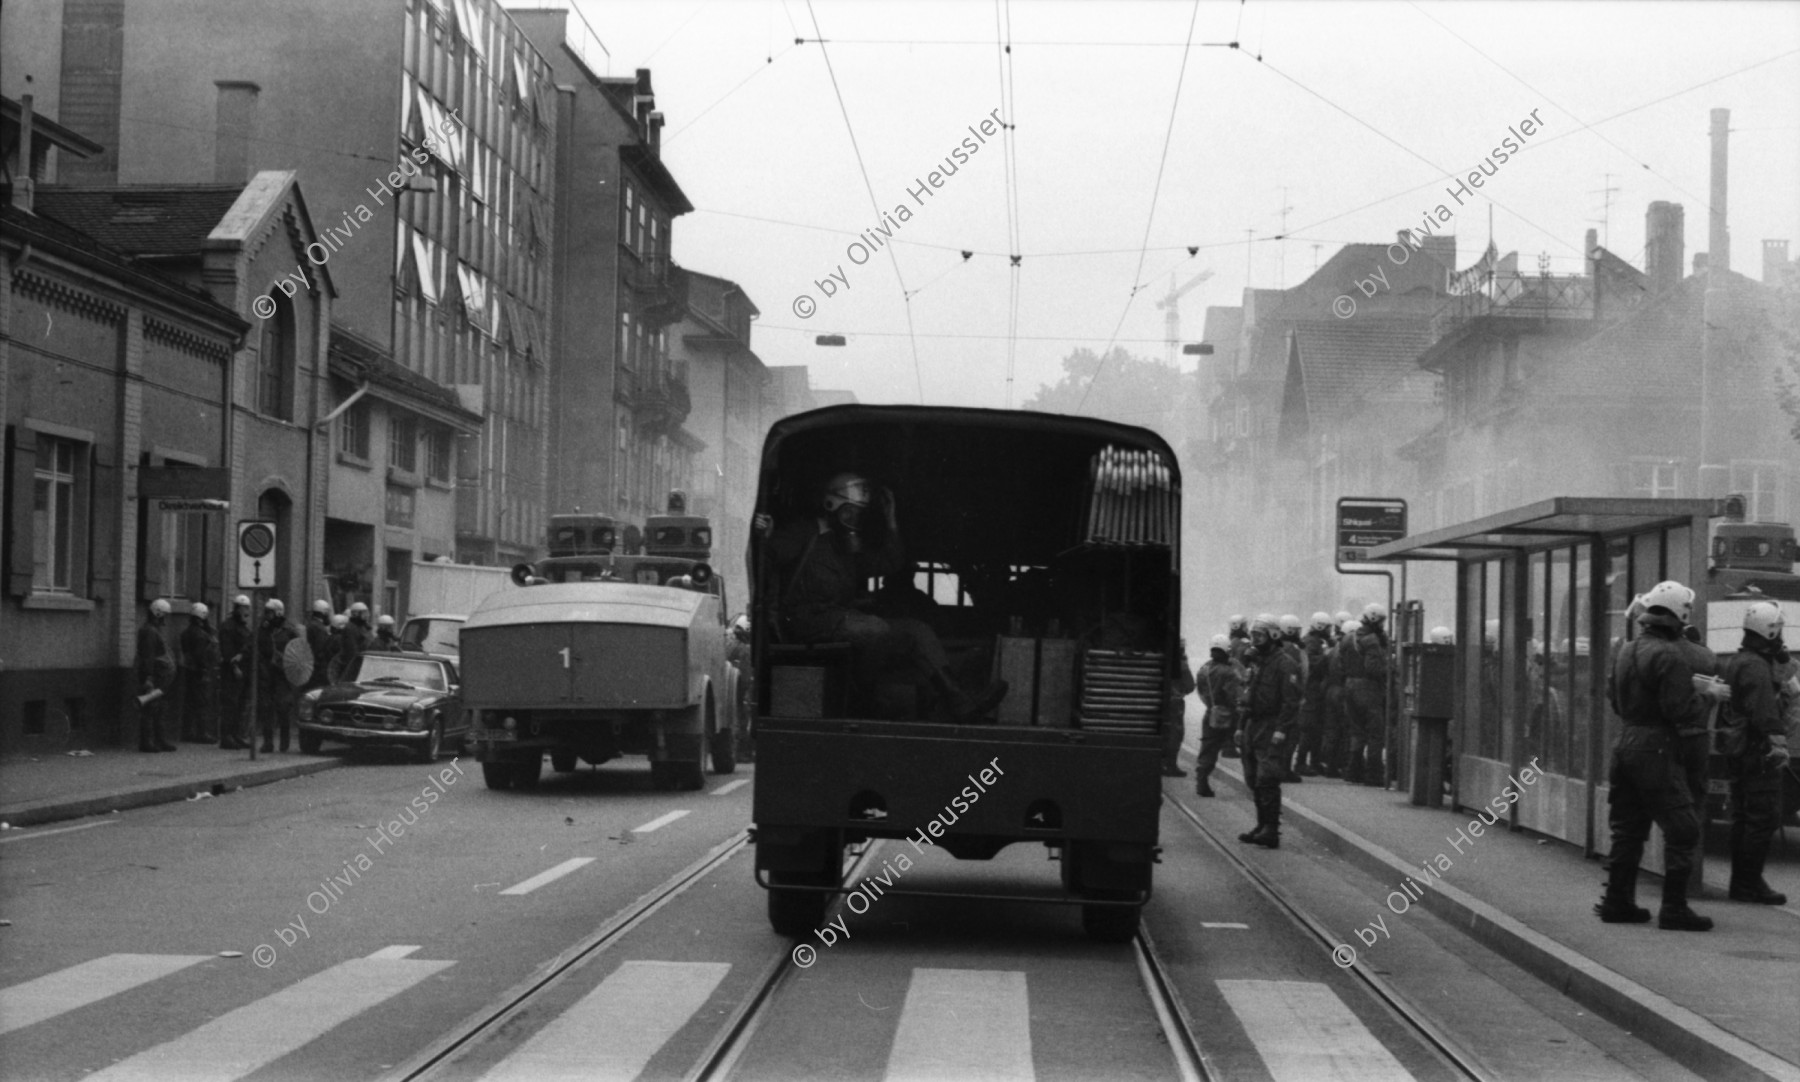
(434, 636)
(413, 672)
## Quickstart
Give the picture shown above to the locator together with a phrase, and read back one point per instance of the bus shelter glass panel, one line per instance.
(1618, 556)
(1581, 660)
(1558, 649)
(1488, 742)
(1538, 722)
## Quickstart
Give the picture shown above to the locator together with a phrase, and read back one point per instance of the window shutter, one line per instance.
(103, 509)
(150, 550)
(23, 446)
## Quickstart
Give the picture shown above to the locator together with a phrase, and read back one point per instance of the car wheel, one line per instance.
(527, 772)
(433, 746)
(497, 775)
(563, 762)
(310, 742)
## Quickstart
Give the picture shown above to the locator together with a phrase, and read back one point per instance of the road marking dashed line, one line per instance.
(659, 822)
(549, 875)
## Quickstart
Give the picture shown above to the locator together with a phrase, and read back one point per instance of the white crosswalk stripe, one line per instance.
(659, 822)
(969, 1024)
(68, 989)
(1304, 1033)
(613, 1031)
(731, 786)
(255, 1035)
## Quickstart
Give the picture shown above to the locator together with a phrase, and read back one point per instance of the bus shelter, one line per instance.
(1541, 594)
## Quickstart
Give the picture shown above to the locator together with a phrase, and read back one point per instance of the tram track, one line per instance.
(548, 976)
(1462, 1062)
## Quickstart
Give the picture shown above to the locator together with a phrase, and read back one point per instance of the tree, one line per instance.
(1128, 389)
(1786, 314)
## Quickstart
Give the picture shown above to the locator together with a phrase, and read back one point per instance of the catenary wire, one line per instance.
(918, 376)
(1150, 219)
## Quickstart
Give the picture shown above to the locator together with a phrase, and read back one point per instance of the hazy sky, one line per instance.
(1351, 118)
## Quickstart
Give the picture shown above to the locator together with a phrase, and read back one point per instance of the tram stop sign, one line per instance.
(256, 554)
(1364, 523)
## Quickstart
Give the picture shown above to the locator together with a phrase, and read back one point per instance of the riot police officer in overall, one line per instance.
(1757, 750)
(1221, 686)
(1652, 690)
(1271, 707)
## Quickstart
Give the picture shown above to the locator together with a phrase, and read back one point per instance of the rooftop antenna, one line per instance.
(1606, 193)
(1282, 271)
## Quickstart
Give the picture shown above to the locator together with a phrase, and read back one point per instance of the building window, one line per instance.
(275, 361)
(403, 443)
(1655, 478)
(353, 431)
(437, 456)
(625, 339)
(400, 506)
(184, 550)
(629, 233)
(1761, 484)
(57, 522)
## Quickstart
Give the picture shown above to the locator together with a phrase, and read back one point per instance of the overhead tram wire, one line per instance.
(918, 376)
(667, 139)
(1150, 219)
(1009, 106)
(1585, 126)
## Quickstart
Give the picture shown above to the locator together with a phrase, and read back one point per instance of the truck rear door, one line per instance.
(520, 665)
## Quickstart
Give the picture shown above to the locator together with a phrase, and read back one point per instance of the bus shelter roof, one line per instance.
(1560, 520)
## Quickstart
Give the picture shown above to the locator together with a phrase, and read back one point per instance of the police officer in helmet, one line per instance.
(1652, 689)
(1271, 708)
(1758, 756)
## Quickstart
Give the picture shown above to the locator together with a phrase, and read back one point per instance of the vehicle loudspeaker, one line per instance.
(701, 574)
(521, 574)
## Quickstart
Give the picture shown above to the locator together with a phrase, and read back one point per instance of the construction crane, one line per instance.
(1172, 305)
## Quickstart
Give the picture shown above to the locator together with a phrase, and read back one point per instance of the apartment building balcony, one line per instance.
(1519, 297)
(660, 288)
(662, 402)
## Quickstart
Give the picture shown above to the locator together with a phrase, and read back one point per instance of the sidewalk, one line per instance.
(49, 786)
(1724, 1003)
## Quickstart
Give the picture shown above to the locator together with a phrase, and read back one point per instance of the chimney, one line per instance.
(1774, 258)
(1719, 239)
(656, 127)
(24, 184)
(1664, 246)
(1699, 262)
(234, 125)
(1589, 243)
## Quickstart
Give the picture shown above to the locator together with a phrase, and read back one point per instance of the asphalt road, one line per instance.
(364, 948)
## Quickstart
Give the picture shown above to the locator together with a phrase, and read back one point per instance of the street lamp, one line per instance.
(829, 340)
(1197, 349)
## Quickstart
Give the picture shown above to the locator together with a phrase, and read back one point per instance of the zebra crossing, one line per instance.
(962, 1023)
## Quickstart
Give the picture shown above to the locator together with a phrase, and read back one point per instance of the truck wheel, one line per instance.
(563, 762)
(795, 913)
(526, 772)
(660, 778)
(310, 742)
(433, 746)
(719, 741)
(497, 775)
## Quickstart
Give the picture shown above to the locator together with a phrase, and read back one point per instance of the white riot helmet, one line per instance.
(1238, 622)
(359, 609)
(241, 599)
(1321, 621)
(1265, 625)
(322, 608)
(1766, 619)
(847, 496)
(1348, 627)
(1440, 635)
(274, 605)
(1290, 624)
(159, 607)
(1373, 613)
(1672, 597)
(1221, 642)
(384, 620)
(340, 621)
(199, 611)
(1342, 617)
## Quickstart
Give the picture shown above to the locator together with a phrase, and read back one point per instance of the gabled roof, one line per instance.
(1337, 366)
(645, 162)
(143, 221)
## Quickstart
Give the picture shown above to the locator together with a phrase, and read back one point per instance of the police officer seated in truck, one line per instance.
(823, 560)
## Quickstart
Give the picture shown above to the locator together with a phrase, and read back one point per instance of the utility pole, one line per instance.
(1281, 280)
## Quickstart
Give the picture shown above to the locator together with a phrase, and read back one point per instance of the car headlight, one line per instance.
(415, 716)
(309, 704)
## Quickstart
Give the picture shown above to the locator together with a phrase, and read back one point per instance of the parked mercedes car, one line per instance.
(405, 699)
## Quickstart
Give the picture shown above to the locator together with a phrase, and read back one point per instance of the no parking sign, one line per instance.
(256, 554)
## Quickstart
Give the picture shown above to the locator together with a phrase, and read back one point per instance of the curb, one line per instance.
(38, 812)
(1686, 1037)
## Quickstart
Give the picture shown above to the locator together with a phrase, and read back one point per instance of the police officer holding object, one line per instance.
(385, 639)
(1308, 761)
(155, 676)
(1220, 684)
(1271, 708)
(318, 640)
(337, 660)
(1174, 716)
(823, 559)
(1652, 688)
(274, 692)
(1755, 742)
(1363, 659)
(199, 676)
(234, 675)
(357, 634)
